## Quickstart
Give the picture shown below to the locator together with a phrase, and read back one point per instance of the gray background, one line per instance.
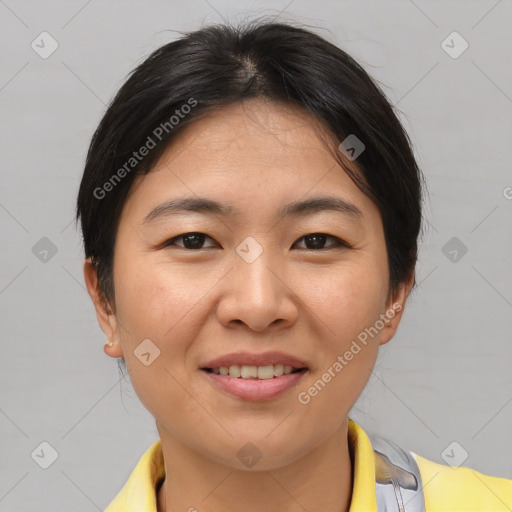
(446, 376)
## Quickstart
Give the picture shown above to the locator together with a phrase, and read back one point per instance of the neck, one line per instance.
(320, 480)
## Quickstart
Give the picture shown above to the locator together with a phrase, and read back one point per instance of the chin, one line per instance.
(258, 453)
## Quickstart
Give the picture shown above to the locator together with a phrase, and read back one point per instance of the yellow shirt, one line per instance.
(446, 489)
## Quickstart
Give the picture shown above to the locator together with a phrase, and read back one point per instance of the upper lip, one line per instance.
(249, 359)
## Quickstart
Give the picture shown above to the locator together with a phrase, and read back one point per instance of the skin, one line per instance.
(198, 304)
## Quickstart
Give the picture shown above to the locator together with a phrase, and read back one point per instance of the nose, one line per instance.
(256, 293)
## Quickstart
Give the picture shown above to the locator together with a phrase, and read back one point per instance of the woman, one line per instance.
(250, 210)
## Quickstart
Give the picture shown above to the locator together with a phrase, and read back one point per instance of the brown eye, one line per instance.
(316, 241)
(313, 241)
(192, 241)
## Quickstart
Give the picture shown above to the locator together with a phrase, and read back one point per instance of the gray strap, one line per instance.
(397, 478)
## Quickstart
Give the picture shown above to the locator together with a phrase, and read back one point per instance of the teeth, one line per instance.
(278, 370)
(252, 372)
(266, 372)
(248, 372)
(234, 371)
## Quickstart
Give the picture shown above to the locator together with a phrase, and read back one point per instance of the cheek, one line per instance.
(153, 296)
(154, 303)
(350, 299)
(347, 304)
(166, 304)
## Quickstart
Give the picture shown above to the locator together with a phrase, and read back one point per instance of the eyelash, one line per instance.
(339, 243)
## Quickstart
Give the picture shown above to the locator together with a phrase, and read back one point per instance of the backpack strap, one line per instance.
(397, 478)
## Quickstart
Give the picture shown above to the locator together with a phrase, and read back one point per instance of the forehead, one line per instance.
(253, 156)
(258, 131)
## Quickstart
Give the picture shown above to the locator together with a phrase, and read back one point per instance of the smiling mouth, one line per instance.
(265, 372)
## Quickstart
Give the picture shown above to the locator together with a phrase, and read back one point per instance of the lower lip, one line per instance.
(256, 389)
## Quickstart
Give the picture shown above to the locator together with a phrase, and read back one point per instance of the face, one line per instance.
(308, 288)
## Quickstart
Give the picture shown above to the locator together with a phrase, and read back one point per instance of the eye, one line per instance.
(190, 240)
(314, 241)
(317, 240)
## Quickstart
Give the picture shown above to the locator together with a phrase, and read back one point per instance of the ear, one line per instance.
(395, 308)
(106, 318)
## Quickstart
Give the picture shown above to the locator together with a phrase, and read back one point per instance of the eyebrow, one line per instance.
(295, 209)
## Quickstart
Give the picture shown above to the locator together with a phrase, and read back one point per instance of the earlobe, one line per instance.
(389, 329)
(112, 349)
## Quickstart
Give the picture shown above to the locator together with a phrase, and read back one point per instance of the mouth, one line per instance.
(254, 377)
(264, 372)
(254, 383)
